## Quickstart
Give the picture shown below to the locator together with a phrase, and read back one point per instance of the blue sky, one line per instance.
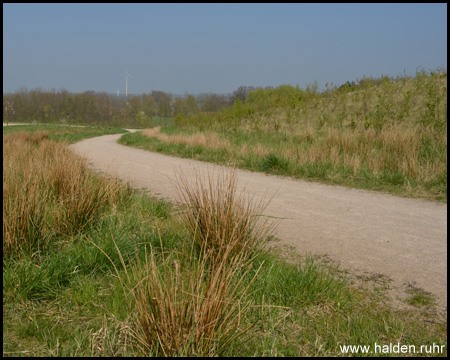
(202, 48)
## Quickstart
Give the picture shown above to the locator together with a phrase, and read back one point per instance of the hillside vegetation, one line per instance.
(383, 134)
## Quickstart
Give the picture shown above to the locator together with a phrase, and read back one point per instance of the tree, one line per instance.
(148, 104)
(48, 111)
(242, 92)
(214, 102)
(163, 101)
(8, 111)
(191, 105)
(132, 107)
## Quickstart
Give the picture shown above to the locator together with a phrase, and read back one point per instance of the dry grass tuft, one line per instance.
(185, 305)
(192, 303)
(191, 309)
(208, 139)
(217, 217)
(39, 135)
(114, 338)
(151, 132)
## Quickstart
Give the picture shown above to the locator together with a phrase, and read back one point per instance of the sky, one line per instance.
(215, 48)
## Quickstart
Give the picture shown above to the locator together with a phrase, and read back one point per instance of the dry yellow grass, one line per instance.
(208, 139)
(153, 132)
(47, 191)
(217, 217)
(395, 147)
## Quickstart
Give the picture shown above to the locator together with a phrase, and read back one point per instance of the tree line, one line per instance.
(99, 108)
(89, 107)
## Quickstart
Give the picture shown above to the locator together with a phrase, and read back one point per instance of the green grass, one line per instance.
(419, 297)
(302, 308)
(161, 121)
(67, 299)
(68, 134)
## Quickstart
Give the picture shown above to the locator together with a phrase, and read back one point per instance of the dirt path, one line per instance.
(12, 124)
(404, 239)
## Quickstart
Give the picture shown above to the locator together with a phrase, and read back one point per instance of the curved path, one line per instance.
(367, 232)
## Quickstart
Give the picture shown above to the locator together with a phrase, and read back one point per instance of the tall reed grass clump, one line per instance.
(180, 305)
(217, 217)
(194, 302)
(47, 192)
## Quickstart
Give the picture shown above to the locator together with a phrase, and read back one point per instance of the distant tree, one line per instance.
(48, 112)
(348, 86)
(133, 106)
(187, 106)
(178, 106)
(191, 105)
(103, 109)
(242, 92)
(214, 102)
(8, 111)
(163, 103)
(148, 104)
(158, 95)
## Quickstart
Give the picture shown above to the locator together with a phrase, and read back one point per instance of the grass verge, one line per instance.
(68, 134)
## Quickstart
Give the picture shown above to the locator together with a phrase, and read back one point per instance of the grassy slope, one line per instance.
(64, 300)
(383, 135)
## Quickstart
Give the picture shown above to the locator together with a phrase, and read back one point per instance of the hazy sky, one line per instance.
(201, 48)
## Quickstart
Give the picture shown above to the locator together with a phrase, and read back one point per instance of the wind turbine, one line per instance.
(126, 82)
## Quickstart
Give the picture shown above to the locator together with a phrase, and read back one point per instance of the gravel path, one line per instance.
(367, 232)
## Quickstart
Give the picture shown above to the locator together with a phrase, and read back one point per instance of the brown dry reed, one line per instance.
(193, 303)
(207, 139)
(217, 217)
(47, 192)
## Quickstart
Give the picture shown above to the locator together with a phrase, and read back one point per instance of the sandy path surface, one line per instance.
(12, 124)
(404, 239)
